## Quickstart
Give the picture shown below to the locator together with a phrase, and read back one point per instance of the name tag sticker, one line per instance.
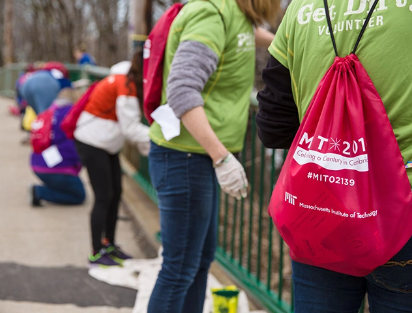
(52, 156)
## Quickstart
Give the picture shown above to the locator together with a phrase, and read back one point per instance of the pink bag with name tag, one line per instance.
(343, 200)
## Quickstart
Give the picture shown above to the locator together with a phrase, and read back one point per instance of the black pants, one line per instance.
(105, 177)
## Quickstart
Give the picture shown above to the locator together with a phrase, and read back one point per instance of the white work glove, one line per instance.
(231, 176)
(144, 147)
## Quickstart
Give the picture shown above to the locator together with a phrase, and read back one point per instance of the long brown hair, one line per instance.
(259, 11)
(135, 76)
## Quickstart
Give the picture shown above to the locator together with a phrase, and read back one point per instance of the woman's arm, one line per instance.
(191, 68)
(198, 126)
(277, 119)
(229, 172)
(129, 118)
(263, 37)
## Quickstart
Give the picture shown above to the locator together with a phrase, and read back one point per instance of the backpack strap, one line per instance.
(325, 2)
(364, 25)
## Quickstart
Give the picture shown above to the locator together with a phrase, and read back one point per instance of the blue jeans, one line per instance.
(389, 288)
(59, 188)
(40, 90)
(186, 185)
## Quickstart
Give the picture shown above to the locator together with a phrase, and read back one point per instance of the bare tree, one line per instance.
(1, 30)
(8, 32)
(50, 29)
(45, 30)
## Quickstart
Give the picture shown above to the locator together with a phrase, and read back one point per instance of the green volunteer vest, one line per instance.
(226, 95)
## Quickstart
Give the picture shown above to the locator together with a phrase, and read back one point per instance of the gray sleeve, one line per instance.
(192, 66)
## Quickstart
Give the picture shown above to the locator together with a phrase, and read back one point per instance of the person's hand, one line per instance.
(144, 147)
(231, 176)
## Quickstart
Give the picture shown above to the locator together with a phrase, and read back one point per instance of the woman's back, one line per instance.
(304, 46)
(102, 101)
(222, 27)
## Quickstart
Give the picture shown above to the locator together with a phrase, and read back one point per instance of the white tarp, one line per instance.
(141, 275)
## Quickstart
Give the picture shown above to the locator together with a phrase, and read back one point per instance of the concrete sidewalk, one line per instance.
(43, 259)
(44, 250)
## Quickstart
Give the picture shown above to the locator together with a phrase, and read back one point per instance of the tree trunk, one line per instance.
(8, 32)
(142, 8)
(149, 13)
(140, 27)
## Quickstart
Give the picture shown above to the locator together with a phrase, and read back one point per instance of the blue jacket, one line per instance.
(87, 59)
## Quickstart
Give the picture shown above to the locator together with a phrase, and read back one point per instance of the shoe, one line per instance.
(102, 259)
(116, 254)
(25, 141)
(14, 110)
(34, 201)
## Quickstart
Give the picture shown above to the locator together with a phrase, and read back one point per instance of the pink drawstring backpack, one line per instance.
(40, 134)
(69, 123)
(343, 201)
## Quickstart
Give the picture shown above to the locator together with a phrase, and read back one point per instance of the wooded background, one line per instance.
(44, 30)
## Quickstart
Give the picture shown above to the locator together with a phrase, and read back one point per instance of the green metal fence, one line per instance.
(249, 247)
(8, 77)
(10, 73)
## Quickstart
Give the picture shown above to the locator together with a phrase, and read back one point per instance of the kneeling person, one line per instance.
(59, 165)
